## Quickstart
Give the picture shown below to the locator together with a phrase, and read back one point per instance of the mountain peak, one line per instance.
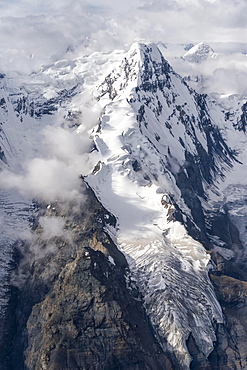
(150, 49)
(153, 137)
(199, 53)
(143, 66)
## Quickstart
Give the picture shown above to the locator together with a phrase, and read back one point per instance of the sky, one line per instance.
(41, 32)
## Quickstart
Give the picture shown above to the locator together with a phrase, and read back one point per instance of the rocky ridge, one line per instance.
(74, 310)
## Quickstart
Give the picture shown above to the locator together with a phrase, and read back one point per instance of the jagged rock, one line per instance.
(242, 123)
(230, 348)
(75, 311)
(230, 291)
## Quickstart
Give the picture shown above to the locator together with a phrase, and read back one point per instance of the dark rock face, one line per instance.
(2, 155)
(230, 349)
(27, 104)
(242, 122)
(90, 326)
(74, 311)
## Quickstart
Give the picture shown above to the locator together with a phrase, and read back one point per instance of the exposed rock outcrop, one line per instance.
(74, 311)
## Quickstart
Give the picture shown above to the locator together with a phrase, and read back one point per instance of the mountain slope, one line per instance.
(157, 143)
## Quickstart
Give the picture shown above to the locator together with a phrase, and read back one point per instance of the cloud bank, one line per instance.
(35, 33)
(223, 73)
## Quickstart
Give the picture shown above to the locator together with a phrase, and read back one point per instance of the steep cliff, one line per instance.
(73, 310)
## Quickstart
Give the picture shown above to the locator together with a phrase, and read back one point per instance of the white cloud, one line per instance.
(52, 226)
(45, 30)
(55, 174)
(45, 179)
(224, 74)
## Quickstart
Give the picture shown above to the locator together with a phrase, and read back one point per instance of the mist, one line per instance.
(223, 73)
(56, 172)
(35, 33)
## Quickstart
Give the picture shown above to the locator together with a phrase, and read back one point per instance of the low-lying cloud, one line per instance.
(53, 226)
(224, 74)
(53, 177)
(55, 173)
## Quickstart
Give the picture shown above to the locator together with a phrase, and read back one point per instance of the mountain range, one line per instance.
(123, 194)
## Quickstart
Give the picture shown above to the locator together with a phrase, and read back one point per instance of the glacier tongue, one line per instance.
(142, 143)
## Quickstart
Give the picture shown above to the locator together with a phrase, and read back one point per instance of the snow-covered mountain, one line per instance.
(152, 140)
(199, 53)
(159, 158)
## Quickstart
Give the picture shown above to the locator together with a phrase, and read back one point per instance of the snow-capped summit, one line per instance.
(199, 53)
(143, 65)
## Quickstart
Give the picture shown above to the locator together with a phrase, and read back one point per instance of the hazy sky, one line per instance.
(34, 32)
